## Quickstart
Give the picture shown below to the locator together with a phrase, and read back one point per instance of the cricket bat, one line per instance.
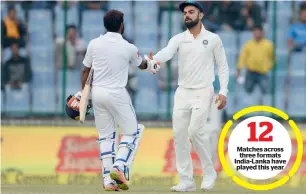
(85, 97)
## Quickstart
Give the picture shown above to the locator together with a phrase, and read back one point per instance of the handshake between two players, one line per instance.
(110, 56)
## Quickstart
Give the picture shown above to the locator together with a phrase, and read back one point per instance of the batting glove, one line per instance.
(153, 66)
(74, 102)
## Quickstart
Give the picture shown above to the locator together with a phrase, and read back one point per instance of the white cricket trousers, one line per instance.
(111, 107)
(190, 113)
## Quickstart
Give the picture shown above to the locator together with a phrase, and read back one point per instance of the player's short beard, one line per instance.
(192, 24)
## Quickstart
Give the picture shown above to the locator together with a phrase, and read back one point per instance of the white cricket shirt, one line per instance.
(111, 56)
(196, 59)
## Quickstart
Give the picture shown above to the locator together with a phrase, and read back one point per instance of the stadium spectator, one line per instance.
(225, 14)
(297, 32)
(12, 30)
(250, 16)
(257, 55)
(17, 70)
(75, 48)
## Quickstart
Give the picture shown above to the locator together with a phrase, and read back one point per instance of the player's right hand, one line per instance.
(220, 101)
(74, 102)
(153, 66)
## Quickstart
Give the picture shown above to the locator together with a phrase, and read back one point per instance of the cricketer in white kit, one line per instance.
(110, 56)
(198, 51)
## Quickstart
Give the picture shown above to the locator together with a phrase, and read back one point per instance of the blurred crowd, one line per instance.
(219, 16)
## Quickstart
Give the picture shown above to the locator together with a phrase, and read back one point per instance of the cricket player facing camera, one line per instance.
(198, 51)
(110, 57)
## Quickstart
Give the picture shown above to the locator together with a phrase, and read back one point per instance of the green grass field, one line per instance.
(95, 189)
(154, 185)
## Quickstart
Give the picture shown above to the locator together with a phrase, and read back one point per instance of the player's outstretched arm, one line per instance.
(145, 64)
(168, 52)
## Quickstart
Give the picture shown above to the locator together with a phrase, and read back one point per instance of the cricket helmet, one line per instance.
(75, 114)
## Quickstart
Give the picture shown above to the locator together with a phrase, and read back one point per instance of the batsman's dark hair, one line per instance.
(112, 20)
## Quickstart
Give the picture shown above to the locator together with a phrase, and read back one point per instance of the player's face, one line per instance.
(192, 16)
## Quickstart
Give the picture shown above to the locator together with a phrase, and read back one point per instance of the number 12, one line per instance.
(262, 136)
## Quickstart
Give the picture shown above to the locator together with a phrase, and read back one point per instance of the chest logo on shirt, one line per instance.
(205, 42)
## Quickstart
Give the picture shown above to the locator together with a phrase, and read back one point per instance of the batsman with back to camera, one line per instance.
(198, 51)
(110, 56)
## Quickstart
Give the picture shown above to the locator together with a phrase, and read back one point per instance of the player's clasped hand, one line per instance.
(153, 66)
(74, 102)
(221, 100)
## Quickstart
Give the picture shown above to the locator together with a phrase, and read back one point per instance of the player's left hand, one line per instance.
(221, 100)
(74, 102)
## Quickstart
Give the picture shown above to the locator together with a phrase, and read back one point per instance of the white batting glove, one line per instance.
(78, 95)
(153, 66)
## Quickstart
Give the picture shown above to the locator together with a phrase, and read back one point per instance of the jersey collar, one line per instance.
(189, 37)
(203, 30)
(113, 34)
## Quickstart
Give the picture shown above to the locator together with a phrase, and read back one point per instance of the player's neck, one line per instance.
(195, 31)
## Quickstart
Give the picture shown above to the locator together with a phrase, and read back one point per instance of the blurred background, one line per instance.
(43, 45)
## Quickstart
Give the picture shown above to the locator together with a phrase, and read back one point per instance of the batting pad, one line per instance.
(127, 150)
(107, 152)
